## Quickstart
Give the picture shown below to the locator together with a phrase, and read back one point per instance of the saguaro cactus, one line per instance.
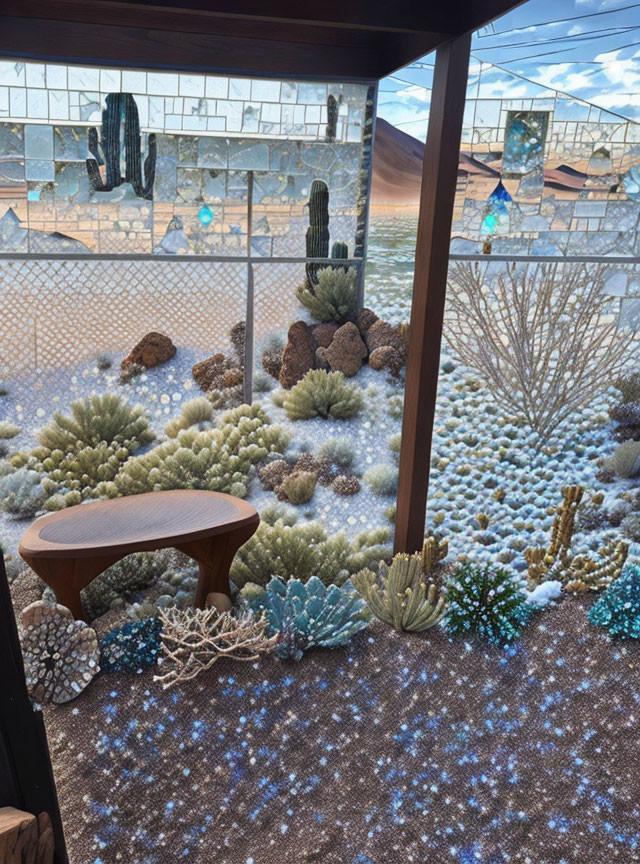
(332, 118)
(120, 125)
(318, 230)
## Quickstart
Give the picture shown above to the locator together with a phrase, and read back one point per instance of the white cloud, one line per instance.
(413, 94)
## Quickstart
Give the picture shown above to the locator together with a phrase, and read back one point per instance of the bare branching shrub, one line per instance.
(545, 337)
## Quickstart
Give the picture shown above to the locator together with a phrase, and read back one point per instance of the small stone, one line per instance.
(221, 602)
(345, 484)
(388, 358)
(272, 363)
(216, 373)
(152, 350)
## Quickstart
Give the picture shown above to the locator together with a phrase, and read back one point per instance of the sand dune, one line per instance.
(397, 168)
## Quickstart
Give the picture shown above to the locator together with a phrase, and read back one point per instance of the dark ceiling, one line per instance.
(324, 39)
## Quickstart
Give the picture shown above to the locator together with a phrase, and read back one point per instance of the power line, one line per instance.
(565, 51)
(581, 37)
(559, 21)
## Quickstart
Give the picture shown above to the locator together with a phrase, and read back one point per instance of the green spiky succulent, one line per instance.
(488, 602)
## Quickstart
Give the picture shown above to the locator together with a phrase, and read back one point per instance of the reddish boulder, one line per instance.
(298, 355)
(152, 350)
(323, 334)
(346, 352)
(365, 318)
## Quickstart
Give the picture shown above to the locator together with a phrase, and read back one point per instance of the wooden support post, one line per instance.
(439, 176)
(26, 778)
(25, 838)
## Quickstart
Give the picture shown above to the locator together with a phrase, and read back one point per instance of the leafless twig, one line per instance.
(194, 639)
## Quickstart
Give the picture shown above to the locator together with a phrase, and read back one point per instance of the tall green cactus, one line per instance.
(318, 230)
(332, 118)
(120, 124)
(340, 250)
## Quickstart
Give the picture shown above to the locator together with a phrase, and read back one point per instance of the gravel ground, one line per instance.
(396, 748)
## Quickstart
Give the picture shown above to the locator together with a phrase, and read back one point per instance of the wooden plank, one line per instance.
(30, 785)
(240, 54)
(25, 838)
(439, 174)
(402, 17)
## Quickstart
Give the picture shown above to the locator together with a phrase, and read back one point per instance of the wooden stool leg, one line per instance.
(68, 576)
(215, 556)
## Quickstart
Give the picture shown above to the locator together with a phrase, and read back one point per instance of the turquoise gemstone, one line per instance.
(205, 215)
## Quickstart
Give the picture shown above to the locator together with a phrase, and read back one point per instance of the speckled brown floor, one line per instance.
(394, 749)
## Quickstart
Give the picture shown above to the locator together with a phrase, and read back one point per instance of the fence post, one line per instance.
(248, 323)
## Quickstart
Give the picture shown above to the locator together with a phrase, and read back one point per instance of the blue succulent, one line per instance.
(618, 609)
(132, 647)
(307, 615)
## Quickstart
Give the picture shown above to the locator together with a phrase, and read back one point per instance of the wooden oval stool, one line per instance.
(69, 548)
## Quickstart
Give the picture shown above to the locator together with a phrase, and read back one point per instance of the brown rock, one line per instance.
(238, 339)
(380, 334)
(272, 363)
(152, 350)
(387, 357)
(216, 373)
(232, 377)
(346, 352)
(346, 484)
(365, 318)
(273, 473)
(323, 334)
(320, 466)
(298, 355)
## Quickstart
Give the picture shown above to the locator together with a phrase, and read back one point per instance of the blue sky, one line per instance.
(593, 54)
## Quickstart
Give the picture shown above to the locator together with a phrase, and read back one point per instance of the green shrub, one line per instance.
(281, 548)
(194, 412)
(333, 298)
(22, 493)
(625, 461)
(337, 450)
(399, 594)
(94, 420)
(629, 387)
(382, 479)
(322, 394)
(80, 452)
(219, 459)
(298, 487)
(8, 430)
(486, 601)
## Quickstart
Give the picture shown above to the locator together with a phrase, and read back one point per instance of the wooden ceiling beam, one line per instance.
(403, 16)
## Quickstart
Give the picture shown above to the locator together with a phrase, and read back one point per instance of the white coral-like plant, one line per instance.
(194, 639)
